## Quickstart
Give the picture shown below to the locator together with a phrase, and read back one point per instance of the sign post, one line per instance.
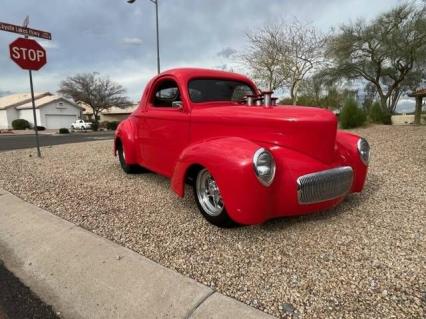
(29, 55)
(34, 114)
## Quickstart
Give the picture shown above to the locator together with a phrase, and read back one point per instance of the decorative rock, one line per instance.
(372, 242)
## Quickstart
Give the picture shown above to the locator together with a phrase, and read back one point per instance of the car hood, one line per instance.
(309, 130)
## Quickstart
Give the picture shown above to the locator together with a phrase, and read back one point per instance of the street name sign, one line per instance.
(25, 31)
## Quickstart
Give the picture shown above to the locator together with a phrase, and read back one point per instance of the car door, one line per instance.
(165, 127)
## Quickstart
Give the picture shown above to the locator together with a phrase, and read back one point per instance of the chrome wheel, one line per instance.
(208, 194)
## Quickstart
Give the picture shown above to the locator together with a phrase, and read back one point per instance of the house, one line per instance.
(117, 114)
(112, 114)
(52, 111)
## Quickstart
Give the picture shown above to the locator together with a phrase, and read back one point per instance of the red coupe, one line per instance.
(248, 159)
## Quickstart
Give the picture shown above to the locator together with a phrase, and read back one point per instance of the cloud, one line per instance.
(132, 41)
(227, 52)
(3, 93)
(119, 40)
(48, 44)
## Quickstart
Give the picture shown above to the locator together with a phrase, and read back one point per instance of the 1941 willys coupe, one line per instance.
(248, 159)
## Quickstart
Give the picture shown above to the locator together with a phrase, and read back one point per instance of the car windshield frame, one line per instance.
(241, 82)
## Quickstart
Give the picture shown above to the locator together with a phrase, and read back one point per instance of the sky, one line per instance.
(117, 39)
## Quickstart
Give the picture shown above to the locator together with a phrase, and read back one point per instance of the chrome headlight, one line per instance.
(264, 166)
(363, 150)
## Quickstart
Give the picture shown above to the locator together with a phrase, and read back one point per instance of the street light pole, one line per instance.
(158, 35)
(157, 31)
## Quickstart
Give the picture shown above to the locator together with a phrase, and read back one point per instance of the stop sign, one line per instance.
(28, 54)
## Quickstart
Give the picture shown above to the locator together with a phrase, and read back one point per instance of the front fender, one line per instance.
(230, 162)
(347, 147)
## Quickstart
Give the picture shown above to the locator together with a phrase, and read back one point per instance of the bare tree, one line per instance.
(100, 93)
(283, 55)
(314, 88)
(264, 56)
(303, 52)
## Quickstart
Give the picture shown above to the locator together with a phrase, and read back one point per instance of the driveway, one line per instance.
(13, 142)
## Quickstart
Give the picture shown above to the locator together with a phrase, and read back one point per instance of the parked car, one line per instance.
(247, 159)
(81, 125)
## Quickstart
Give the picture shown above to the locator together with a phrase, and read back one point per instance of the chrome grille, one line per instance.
(325, 185)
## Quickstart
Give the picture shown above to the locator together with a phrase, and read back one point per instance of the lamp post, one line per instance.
(158, 34)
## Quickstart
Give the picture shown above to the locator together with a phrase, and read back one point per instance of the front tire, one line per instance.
(209, 200)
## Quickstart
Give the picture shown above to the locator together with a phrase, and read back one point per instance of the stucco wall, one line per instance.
(405, 119)
(12, 114)
(3, 120)
(7, 116)
(27, 114)
(55, 109)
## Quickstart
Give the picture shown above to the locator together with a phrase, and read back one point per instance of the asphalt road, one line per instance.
(18, 301)
(14, 142)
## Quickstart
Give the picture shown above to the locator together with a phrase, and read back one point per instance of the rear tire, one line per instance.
(209, 201)
(128, 169)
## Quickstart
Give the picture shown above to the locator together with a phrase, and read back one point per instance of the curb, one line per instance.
(83, 275)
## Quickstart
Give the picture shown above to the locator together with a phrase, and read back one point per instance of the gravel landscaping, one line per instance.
(363, 259)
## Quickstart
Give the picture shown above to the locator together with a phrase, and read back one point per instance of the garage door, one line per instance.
(59, 121)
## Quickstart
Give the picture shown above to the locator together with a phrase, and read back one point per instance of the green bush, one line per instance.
(103, 124)
(351, 115)
(20, 124)
(377, 115)
(95, 125)
(112, 125)
(285, 101)
(64, 131)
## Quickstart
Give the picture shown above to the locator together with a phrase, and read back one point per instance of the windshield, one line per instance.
(205, 90)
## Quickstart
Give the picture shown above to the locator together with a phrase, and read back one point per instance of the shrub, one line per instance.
(112, 125)
(103, 124)
(95, 126)
(20, 124)
(351, 115)
(377, 115)
(40, 128)
(285, 101)
(64, 131)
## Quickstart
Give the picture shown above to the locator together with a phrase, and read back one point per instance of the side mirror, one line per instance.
(177, 105)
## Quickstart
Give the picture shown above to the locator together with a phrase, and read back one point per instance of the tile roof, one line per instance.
(45, 100)
(118, 110)
(111, 111)
(19, 99)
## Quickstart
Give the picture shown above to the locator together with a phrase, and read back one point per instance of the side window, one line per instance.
(240, 92)
(166, 94)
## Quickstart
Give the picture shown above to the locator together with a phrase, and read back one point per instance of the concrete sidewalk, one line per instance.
(83, 275)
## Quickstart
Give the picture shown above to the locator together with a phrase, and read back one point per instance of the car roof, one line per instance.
(189, 73)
